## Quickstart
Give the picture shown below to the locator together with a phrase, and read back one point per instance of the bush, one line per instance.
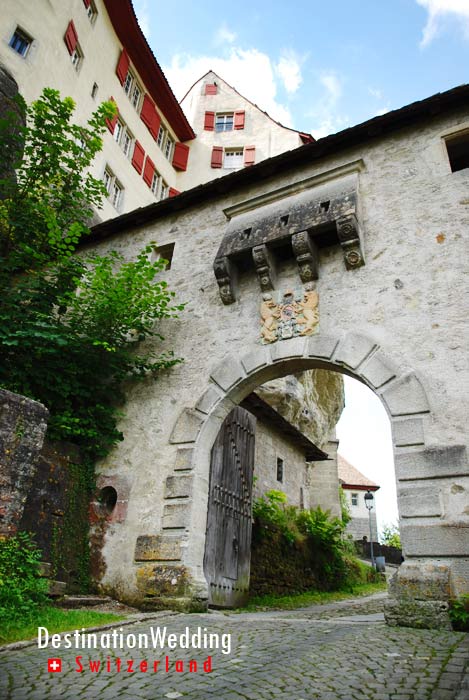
(459, 613)
(22, 591)
(391, 536)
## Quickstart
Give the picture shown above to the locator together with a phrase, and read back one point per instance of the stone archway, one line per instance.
(434, 568)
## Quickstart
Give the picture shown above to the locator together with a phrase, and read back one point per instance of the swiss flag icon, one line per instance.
(54, 665)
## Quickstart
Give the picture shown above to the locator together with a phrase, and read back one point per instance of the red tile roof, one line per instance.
(350, 477)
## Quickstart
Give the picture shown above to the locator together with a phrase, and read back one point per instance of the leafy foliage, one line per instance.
(22, 592)
(316, 529)
(71, 326)
(391, 536)
(344, 507)
(459, 613)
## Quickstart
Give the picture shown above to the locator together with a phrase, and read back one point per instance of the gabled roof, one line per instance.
(305, 137)
(351, 478)
(311, 154)
(125, 23)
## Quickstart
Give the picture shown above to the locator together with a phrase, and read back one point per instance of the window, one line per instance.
(161, 135)
(458, 151)
(114, 188)
(123, 137)
(210, 88)
(279, 469)
(94, 90)
(354, 499)
(233, 158)
(164, 190)
(20, 42)
(166, 252)
(168, 147)
(76, 57)
(116, 194)
(224, 122)
(132, 89)
(91, 10)
(155, 183)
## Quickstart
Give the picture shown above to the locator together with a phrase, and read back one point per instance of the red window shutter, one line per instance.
(123, 66)
(111, 123)
(217, 157)
(71, 37)
(150, 116)
(173, 192)
(209, 121)
(181, 155)
(148, 171)
(249, 155)
(239, 120)
(210, 88)
(87, 3)
(138, 157)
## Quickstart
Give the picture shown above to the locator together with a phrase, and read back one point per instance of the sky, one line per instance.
(321, 67)
(316, 66)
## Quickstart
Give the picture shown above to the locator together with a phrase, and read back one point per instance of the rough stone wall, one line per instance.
(23, 424)
(399, 323)
(56, 511)
(323, 481)
(8, 91)
(312, 401)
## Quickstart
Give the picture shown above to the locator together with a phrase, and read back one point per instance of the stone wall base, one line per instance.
(185, 604)
(421, 614)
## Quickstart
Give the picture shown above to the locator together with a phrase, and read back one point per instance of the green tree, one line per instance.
(391, 536)
(71, 326)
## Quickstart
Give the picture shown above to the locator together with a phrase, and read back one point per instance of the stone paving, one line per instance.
(341, 651)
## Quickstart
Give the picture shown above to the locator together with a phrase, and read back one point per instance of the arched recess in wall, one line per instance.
(196, 429)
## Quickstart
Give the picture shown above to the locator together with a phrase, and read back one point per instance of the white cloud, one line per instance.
(250, 71)
(289, 70)
(376, 92)
(224, 36)
(333, 85)
(143, 15)
(439, 10)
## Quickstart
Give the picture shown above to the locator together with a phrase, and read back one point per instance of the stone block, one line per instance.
(228, 373)
(432, 463)
(419, 501)
(454, 496)
(434, 540)
(176, 515)
(288, 349)
(208, 399)
(155, 580)
(178, 486)
(157, 548)
(187, 427)
(45, 569)
(321, 346)
(420, 614)
(407, 432)
(421, 581)
(183, 460)
(378, 370)
(405, 396)
(353, 349)
(56, 589)
(256, 359)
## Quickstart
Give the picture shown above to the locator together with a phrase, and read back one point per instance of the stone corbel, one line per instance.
(306, 254)
(265, 267)
(349, 237)
(225, 272)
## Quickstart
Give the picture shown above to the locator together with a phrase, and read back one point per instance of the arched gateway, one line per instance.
(340, 255)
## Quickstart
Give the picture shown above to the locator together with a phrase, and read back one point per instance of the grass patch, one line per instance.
(56, 620)
(301, 600)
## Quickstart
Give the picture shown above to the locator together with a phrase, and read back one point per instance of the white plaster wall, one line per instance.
(269, 137)
(269, 446)
(48, 64)
(415, 214)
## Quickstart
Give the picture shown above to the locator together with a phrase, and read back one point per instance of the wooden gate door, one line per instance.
(228, 539)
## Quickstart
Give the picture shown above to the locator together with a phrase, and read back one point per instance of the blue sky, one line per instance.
(315, 66)
(321, 67)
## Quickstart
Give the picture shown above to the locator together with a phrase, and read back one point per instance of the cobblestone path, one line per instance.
(339, 651)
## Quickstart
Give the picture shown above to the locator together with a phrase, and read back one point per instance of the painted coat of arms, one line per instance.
(288, 314)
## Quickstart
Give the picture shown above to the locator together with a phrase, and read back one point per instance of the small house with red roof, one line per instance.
(355, 485)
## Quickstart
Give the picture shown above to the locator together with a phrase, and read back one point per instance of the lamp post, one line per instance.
(369, 502)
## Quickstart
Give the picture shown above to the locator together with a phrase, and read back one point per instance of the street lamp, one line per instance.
(369, 502)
